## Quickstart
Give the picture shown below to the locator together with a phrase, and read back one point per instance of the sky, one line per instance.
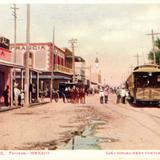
(114, 33)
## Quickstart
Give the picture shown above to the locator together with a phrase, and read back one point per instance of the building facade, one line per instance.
(41, 57)
(6, 69)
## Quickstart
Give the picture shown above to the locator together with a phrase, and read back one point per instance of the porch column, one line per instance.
(11, 87)
(22, 81)
(30, 93)
(38, 86)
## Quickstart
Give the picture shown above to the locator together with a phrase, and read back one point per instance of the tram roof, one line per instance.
(147, 68)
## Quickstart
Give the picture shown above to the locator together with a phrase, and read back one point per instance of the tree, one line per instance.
(157, 53)
(157, 43)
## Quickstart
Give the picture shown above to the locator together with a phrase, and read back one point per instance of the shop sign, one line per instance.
(4, 42)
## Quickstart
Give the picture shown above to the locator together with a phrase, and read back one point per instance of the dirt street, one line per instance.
(51, 126)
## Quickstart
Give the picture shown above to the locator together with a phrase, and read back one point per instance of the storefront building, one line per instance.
(40, 58)
(6, 69)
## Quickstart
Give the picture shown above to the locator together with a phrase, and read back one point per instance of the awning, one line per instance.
(10, 64)
(56, 77)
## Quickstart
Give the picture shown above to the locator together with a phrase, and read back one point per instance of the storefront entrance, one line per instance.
(2, 82)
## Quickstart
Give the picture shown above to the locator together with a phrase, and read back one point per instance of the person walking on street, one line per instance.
(101, 94)
(118, 95)
(106, 93)
(123, 95)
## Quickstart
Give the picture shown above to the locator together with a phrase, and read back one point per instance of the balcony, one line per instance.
(63, 69)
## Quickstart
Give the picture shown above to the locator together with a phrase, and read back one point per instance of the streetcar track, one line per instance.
(152, 116)
(141, 124)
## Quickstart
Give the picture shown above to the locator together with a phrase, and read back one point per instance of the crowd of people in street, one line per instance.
(121, 93)
(74, 94)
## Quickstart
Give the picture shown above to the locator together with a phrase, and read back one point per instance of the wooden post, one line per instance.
(38, 86)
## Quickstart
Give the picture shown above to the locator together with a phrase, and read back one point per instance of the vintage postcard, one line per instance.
(80, 79)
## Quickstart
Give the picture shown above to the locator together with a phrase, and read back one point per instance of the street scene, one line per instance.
(80, 77)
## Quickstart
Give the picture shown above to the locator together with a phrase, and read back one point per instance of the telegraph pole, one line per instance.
(14, 13)
(26, 98)
(153, 45)
(73, 42)
(52, 66)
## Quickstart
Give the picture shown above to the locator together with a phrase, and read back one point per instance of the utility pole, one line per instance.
(73, 42)
(52, 66)
(153, 45)
(14, 13)
(26, 98)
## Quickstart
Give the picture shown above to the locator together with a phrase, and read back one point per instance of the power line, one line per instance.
(153, 44)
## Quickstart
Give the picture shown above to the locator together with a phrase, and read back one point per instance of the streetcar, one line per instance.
(143, 84)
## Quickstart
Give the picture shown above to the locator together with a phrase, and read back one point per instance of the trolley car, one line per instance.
(143, 84)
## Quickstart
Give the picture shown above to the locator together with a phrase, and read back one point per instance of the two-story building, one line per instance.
(40, 58)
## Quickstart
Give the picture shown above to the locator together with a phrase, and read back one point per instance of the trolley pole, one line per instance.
(137, 56)
(73, 41)
(153, 44)
(26, 98)
(52, 65)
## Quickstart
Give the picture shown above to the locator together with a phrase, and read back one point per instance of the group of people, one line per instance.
(18, 96)
(121, 93)
(75, 94)
(104, 92)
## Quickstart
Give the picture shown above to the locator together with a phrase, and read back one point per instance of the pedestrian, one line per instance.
(16, 94)
(123, 95)
(22, 97)
(101, 94)
(83, 96)
(106, 93)
(77, 95)
(118, 95)
(5, 95)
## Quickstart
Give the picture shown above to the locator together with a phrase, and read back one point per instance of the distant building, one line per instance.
(79, 68)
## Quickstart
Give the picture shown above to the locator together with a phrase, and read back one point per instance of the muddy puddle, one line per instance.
(84, 139)
(87, 140)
